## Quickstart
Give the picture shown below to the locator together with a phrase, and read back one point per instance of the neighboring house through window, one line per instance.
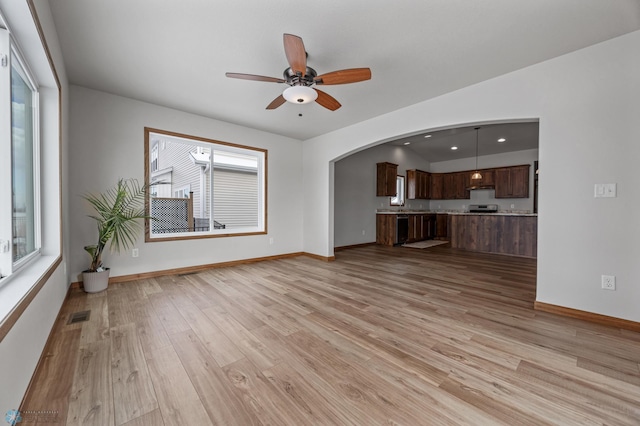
(201, 187)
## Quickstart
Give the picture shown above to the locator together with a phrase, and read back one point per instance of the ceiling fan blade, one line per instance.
(327, 101)
(254, 77)
(352, 75)
(296, 55)
(276, 102)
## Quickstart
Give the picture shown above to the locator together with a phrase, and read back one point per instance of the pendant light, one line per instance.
(476, 175)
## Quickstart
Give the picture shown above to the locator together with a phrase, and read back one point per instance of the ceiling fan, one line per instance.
(301, 78)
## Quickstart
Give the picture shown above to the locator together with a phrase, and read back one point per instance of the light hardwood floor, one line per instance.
(382, 335)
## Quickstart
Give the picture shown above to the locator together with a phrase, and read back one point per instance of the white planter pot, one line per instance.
(95, 282)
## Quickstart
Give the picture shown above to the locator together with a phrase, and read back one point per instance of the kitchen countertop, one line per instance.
(504, 213)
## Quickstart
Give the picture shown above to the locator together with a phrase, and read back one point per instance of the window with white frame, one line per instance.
(398, 200)
(216, 188)
(182, 192)
(20, 164)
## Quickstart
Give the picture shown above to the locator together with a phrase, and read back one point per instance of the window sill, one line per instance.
(17, 288)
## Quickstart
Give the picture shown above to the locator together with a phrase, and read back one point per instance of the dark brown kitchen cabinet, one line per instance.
(421, 227)
(455, 186)
(386, 179)
(418, 185)
(487, 180)
(512, 182)
(386, 229)
(428, 226)
(449, 186)
(461, 185)
(415, 228)
(442, 226)
(437, 186)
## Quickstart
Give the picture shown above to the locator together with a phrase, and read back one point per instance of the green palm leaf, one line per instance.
(117, 213)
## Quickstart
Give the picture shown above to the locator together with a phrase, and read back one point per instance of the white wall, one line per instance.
(107, 142)
(21, 348)
(487, 196)
(587, 103)
(355, 190)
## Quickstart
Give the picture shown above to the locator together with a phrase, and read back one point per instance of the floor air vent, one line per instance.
(79, 317)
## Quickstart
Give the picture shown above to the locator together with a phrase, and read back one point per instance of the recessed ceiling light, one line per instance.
(453, 148)
(407, 143)
(427, 136)
(502, 140)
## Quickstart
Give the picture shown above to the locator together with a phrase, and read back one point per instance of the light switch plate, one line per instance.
(605, 190)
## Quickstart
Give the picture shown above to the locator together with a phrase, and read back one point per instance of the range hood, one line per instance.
(475, 187)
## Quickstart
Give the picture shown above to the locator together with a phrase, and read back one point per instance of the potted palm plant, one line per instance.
(117, 214)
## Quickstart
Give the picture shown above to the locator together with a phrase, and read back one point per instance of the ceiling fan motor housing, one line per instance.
(293, 79)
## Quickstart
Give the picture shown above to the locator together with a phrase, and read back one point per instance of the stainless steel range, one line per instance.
(483, 208)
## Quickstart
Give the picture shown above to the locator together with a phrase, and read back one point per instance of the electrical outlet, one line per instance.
(609, 282)
(135, 252)
(271, 240)
(363, 232)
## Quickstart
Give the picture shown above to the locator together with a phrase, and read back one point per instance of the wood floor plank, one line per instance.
(151, 333)
(97, 327)
(383, 335)
(165, 310)
(261, 395)
(177, 398)
(292, 387)
(53, 380)
(221, 348)
(154, 418)
(91, 401)
(258, 353)
(438, 407)
(133, 393)
(223, 403)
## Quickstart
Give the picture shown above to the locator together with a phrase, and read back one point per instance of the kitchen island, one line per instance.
(509, 233)
(514, 234)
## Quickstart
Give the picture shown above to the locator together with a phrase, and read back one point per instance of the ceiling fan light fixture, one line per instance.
(300, 94)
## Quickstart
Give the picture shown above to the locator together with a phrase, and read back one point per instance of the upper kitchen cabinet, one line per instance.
(437, 186)
(512, 182)
(386, 179)
(455, 186)
(488, 178)
(418, 185)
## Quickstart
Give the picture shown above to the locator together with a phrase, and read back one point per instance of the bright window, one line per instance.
(398, 200)
(23, 163)
(19, 180)
(203, 188)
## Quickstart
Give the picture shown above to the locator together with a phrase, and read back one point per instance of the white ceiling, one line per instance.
(176, 52)
(437, 146)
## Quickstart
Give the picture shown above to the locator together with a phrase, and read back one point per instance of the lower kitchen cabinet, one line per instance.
(422, 227)
(386, 229)
(514, 235)
(442, 226)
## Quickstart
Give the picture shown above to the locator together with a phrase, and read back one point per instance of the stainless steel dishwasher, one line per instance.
(402, 229)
